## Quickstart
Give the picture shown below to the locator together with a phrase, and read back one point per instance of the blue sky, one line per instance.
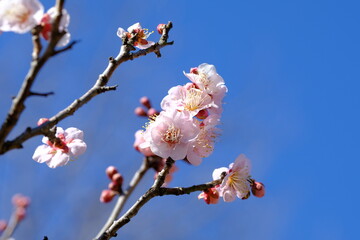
(292, 70)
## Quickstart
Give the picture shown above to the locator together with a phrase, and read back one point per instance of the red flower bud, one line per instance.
(107, 195)
(118, 179)
(146, 102)
(20, 213)
(258, 189)
(139, 111)
(110, 171)
(20, 201)
(160, 28)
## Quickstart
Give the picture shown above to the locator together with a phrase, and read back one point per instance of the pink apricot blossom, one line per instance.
(187, 98)
(203, 144)
(142, 34)
(20, 16)
(47, 22)
(55, 155)
(169, 135)
(236, 183)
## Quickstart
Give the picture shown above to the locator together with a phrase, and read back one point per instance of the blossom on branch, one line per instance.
(47, 22)
(20, 16)
(237, 181)
(170, 134)
(71, 144)
(140, 34)
(210, 196)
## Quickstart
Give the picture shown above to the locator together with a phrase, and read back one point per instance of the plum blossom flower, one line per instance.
(59, 154)
(20, 16)
(203, 144)
(47, 22)
(237, 181)
(169, 135)
(139, 139)
(187, 98)
(141, 35)
(208, 80)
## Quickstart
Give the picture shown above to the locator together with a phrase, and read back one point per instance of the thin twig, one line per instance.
(123, 198)
(98, 88)
(13, 223)
(41, 94)
(154, 191)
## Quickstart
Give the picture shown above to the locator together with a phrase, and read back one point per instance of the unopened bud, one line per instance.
(20, 201)
(42, 120)
(107, 195)
(160, 28)
(202, 114)
(258, 189)
(3, 225)
(113, 186)
(139, 111)
(118, 179)
(110, 171)
(20, 213)
(152, 112)
(145, 101)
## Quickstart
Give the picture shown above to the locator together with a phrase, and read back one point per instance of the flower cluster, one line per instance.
(186, 126)
(57, 154)
(20, 16)
(114, 187)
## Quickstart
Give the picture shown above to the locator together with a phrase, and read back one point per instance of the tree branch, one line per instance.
(99, 87)
(123, 198)
(152, 192)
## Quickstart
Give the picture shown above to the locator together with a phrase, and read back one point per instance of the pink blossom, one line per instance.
(139, 139)
(20, 16)
(207, 79)
(141, 35)
(170, 134)
(55, 155)
(47, 21)
(236, 183)
(187, 98)
(203, 144)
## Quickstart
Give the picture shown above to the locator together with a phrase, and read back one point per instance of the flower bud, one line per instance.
(160, 28)
(152, 111)
(258, 189)
(110, 171)
(107, 195)
(139, 111)
(42, 120)
(113, 186)
(118, 179)
(3, 225)
(146, 102)
(20, 201)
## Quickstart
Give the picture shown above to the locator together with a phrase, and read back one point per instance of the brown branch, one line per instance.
(68, 47)
(154, 191)
(41, 94)
(18, 105)
(123, 197)
(151, 193)
(99, 87)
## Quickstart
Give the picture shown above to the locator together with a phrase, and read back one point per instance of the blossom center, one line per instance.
(17, 13)
(204, 79)
(193, 99)
(172, 135)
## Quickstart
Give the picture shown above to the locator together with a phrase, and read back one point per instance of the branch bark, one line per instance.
(154, 191)
(99, 87)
